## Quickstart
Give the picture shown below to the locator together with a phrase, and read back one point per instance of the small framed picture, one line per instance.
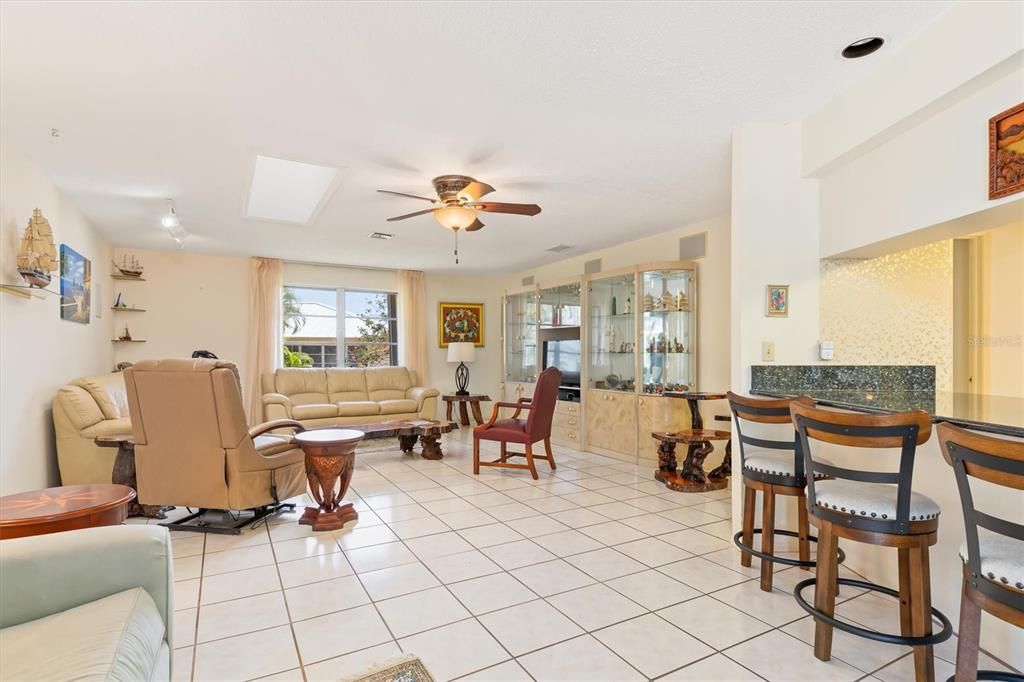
(776, 300)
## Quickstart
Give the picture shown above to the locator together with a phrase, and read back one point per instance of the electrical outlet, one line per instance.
(768, 351)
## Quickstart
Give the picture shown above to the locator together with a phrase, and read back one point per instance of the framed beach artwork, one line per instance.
(75, 285)
(776, 300)
(460, 322)
(1006, 153)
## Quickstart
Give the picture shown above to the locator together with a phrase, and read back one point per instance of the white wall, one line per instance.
(39, 352)
(191, 301)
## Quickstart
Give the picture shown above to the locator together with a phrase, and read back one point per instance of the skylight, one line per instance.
(288, 191)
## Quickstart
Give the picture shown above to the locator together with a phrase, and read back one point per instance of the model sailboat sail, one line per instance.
(37, 257)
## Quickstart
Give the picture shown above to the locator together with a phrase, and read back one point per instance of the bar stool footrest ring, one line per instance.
(737, 540)
(997, 675)
(926, 640)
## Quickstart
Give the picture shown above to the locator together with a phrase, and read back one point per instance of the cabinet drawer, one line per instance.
(567, 407)
(566, 436)
(566, 420)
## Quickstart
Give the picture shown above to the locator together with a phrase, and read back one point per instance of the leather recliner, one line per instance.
(193, 447)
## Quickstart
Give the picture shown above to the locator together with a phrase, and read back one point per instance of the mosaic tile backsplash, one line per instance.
(808, 378)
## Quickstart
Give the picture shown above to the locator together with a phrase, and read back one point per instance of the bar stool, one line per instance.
(994, 560)
(773, 467)
(877, 508)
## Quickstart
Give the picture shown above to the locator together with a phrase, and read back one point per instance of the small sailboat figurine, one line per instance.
(129, 267)
(37, 257)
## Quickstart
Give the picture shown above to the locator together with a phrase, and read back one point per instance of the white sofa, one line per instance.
(323, 397)
(92, 604)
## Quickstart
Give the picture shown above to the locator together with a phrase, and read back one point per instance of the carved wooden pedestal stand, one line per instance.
(692, 478)
(330, 458)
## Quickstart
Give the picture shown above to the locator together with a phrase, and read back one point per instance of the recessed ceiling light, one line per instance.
(863, 47)
(381, 235)
(288, 191)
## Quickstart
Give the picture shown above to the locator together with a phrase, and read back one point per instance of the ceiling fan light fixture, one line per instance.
(170, 219)
(455, 217)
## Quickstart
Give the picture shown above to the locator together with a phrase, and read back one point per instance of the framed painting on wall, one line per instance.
(75, 283)
(1006, 153)
(776, 300)
(460, 322)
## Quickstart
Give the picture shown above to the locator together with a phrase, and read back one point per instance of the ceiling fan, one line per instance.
(457, 203)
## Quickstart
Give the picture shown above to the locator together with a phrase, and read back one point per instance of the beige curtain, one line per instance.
(412, 323)
(266, 281)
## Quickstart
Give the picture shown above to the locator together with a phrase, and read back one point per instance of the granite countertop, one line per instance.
(993, 413)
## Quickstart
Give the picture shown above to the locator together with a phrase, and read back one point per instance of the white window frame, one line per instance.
(340, 315)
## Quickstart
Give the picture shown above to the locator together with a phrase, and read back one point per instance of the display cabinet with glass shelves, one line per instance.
(668, 328)
(611, 333)
(521, 336)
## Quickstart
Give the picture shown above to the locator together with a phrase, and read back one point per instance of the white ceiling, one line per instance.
(614, 117)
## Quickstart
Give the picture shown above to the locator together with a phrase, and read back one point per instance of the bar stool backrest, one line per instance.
(997, 461)
(767, 411)
(904, 430)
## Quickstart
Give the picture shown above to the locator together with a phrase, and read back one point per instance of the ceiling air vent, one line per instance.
(559, 248)
(381, 235)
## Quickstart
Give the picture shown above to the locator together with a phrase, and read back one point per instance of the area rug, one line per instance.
(408, 668)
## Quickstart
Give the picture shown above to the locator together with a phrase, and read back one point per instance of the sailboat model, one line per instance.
(37, 257)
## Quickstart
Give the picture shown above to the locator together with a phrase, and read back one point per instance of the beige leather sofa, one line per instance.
(82, 410)
(92, 604)
(321, 397)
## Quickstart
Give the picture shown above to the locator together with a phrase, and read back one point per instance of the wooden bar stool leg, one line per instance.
(767, 535)
(749, 500)
(906, 596)
(803, 530)
(529, 461)
(921, 612)
(827, 571)
(970, 636)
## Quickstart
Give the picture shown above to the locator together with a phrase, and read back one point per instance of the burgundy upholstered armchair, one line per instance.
(536, 427)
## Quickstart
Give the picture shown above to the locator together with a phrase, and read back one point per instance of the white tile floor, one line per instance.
(594, 572)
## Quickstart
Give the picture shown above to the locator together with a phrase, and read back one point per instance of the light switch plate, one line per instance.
(768, 351)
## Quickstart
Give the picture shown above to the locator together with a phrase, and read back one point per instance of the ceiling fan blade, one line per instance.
(411, 215)
(403, 194)
(496, 207)
(475, 190)
(475, 226)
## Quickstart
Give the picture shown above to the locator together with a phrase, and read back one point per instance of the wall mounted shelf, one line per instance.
(124, 278)
(26, 291)
(128, 340)
(127, 310)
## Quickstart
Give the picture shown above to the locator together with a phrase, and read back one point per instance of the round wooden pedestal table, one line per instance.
(69, 507)
(330, 459)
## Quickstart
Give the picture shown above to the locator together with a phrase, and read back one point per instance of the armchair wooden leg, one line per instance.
(529, 461)
(767, 535)
(749, 500)
(551, 455)
(504, 451)
(476, 456)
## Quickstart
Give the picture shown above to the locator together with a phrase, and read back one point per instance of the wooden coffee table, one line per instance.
(473, 399)
(330, 458)
(69, 507)
(428, 431)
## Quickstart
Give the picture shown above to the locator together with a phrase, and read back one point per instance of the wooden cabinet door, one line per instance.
(611, 421)
(659, 414)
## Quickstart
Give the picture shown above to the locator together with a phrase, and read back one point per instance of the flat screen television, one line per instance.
(566, 356)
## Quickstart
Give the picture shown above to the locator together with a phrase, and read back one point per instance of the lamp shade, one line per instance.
(461, 351)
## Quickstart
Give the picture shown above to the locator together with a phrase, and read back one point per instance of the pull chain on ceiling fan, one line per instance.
(458, 202)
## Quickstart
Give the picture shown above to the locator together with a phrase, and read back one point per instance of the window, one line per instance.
(366, 330)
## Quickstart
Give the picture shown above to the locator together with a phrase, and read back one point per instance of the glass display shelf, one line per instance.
(611, 318)
(668, 332)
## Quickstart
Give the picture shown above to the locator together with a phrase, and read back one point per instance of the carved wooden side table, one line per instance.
(330, 459)
(692, 478)
(124, 474)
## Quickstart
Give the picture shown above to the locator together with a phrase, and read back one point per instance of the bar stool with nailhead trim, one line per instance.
(773, 467)
(873, 507)
(993, 559)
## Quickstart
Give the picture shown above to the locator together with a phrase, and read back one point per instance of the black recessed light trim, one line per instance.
(863, 47)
